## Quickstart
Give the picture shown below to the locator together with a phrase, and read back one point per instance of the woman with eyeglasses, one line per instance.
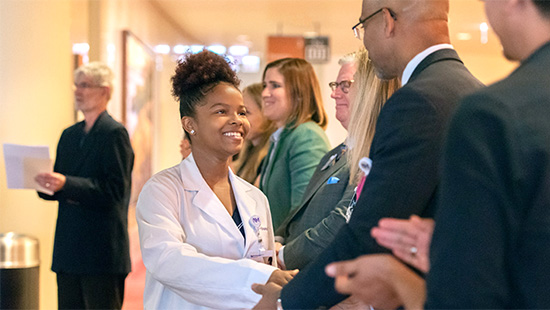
(205, 234)
(292, 100)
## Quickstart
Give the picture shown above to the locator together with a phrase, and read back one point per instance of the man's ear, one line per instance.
(389, 23)
(514, 5)
(106, 92)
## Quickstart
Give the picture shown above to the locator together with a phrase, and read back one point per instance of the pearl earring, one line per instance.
(192, 131)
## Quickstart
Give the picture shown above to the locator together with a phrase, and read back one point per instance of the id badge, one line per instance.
(258, 252)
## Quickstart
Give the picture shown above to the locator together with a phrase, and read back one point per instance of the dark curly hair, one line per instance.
(196, 75)
(543, 6)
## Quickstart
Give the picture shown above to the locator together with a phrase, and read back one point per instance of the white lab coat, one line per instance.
(195, 256)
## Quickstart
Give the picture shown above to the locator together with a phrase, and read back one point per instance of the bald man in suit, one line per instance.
(409, 39)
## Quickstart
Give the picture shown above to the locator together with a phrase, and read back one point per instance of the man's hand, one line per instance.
(409, 239)
(281, 277)
(379, 280)
(271, 290)
(270, 293)
(51, 180)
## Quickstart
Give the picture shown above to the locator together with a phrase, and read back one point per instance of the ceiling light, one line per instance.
(464, 36)
(483, 28)
(218, 49)
(238, 50)
(81, 48)
(250, 64)
(162, 49)
(180, 49)
(196, 48)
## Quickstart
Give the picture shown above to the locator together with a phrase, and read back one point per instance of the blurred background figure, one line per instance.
(92, 182)
(341, 87)
(368, 95)
(256, 145)
(185, 147)
(292, 100)
(206, 235)
(312, 226)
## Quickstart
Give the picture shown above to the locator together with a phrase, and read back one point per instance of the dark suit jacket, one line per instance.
(311, 227)
(91, 236)
(405, 154)
(491, 242)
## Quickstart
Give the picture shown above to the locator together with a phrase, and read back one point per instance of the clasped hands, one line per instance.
(379, 280)
(382, 280)
(271, 290)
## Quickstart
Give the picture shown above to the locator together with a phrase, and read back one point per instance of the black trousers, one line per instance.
(90, 291)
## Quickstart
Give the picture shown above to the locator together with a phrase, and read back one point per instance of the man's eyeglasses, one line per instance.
(344, 85)
(85, 85)
(358, 29)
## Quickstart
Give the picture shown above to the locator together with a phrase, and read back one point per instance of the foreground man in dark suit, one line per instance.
(91, 181)
(408, 39)
(492, 237)
(491, 242)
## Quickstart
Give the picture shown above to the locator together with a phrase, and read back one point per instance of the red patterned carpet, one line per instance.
(135, 282)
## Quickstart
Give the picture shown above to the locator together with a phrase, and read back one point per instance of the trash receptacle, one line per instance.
(19, 271)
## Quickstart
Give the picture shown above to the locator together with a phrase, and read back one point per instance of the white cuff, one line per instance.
(281, 257)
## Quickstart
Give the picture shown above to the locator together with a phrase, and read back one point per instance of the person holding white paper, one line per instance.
(91, 180)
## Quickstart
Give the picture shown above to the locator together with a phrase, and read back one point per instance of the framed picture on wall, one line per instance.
(138, 71)
(138, 101)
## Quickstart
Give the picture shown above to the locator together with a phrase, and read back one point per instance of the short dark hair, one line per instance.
(196, 75)
(543, 6)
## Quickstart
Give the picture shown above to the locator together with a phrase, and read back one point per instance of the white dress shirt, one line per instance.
(409, 69)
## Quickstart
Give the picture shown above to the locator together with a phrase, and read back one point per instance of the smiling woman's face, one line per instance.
(220, 124)
(277, 108)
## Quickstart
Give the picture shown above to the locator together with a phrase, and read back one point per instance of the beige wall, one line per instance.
(36, 101)
(35, 106)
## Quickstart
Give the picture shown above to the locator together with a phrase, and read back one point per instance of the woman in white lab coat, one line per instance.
(206, 235)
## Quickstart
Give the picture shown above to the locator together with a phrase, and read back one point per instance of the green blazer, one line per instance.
(286, 170)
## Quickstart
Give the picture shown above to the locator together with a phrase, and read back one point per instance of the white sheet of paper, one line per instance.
(24, 162)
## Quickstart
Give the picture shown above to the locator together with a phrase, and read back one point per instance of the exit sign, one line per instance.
(317, 49)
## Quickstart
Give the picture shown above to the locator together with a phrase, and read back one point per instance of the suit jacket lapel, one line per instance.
(90, 142)
(321, 178)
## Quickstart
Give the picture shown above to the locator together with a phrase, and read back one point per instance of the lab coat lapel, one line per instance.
(243, 199)
(205, 199)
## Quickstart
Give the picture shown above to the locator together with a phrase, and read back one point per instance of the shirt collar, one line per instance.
(409, 69)
(277, 134)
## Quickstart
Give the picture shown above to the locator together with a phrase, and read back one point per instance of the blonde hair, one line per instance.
(370, 94)
(303, 91)
(99, 72)
(250, 157)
